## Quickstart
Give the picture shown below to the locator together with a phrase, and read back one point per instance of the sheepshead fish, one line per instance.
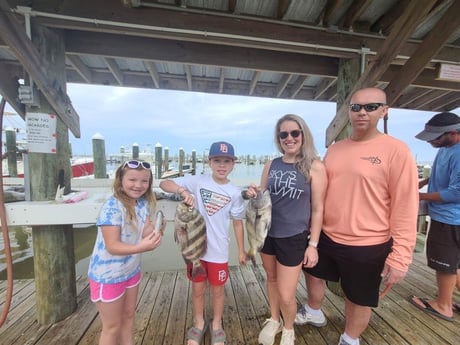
(258, 221)
(190, 234)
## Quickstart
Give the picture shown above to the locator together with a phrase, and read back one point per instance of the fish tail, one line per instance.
(198, 270)
(250, 255)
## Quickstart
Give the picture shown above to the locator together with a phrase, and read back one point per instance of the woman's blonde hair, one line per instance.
(118, 192)
(308, 152)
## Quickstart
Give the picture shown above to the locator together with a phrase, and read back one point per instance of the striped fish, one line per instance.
(190, 234)
(258, 221)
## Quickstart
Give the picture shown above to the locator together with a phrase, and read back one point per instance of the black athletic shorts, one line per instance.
(289, 251)
(443, 247)
(358, 268)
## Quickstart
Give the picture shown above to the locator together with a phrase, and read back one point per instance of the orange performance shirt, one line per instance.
(372, 195)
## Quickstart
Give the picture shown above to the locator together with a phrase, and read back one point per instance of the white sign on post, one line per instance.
(41, 132)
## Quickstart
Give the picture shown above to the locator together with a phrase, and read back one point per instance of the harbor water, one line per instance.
(166, 257)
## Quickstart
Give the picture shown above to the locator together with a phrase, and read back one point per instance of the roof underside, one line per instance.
(269, 48)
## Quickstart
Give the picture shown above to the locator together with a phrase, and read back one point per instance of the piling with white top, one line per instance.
(100, 165)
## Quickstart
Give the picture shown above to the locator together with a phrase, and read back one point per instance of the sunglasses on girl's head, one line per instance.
(295, 133)
(136, 164)
(367, 107)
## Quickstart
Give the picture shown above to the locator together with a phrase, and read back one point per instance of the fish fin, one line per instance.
(198, 270)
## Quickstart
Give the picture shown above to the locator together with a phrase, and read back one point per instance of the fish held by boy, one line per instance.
(258, 221)
(190, 234)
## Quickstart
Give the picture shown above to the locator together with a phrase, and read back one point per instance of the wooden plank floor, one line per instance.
(164, 313)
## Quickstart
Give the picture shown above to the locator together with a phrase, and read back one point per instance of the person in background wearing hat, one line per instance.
(370, 216)
(219, 201)
(443, 196)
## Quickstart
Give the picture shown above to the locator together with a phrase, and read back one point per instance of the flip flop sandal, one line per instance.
(428, 308)
(196, 334)
(217, 336)
(456, 308)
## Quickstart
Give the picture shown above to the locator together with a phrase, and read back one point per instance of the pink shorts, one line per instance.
(111, 292)
(216, 273)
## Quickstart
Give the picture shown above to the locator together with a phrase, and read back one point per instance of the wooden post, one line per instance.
(53, 246)
(181, 161)
(158, 161)
(135, 151)
(11, 153)
(349, 72)
(100, 162)
(193, 162)
(166, 159)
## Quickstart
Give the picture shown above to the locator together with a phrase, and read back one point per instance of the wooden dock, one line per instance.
(164, 313)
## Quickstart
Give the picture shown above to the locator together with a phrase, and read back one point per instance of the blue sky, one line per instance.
(192, 121)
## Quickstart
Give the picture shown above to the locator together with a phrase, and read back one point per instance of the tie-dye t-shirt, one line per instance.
(107, 268)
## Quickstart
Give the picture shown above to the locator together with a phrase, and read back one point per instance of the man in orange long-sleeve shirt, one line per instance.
(370, 219)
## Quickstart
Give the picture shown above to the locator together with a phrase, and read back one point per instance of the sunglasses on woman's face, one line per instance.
(136, 164)
(295, 133)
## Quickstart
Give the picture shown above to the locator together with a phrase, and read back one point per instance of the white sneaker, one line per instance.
(287, 337)
(303, 317)
(344, 342)
(271, 329)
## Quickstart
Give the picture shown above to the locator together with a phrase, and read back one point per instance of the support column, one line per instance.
(349, 72)
(53, 246)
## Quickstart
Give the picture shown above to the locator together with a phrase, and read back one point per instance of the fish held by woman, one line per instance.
(190, 234)
(258, 221)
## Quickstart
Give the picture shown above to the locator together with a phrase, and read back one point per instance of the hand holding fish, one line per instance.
(251, 192)
(151, 241)
(189, 199)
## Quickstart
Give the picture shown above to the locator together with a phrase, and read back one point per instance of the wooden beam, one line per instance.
(325, 84)
(188, 76)
(431, 45)
(9, 87)
(115, 70)
(297, 85)
(221, 80)
(15, 37)
(198, 53)
(403, 29)
(253, 83)
(150, 66)
(79, 66)
(354, 12)
(282, 84)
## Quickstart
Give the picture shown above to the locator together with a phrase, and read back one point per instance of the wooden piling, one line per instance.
(10, 137)
(181, 161)
(193, 162)
(158, 160)
(100, 162)
(135, 151)
(54, 260)
(166, 159)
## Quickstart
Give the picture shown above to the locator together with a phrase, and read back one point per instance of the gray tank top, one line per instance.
(291, 200)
